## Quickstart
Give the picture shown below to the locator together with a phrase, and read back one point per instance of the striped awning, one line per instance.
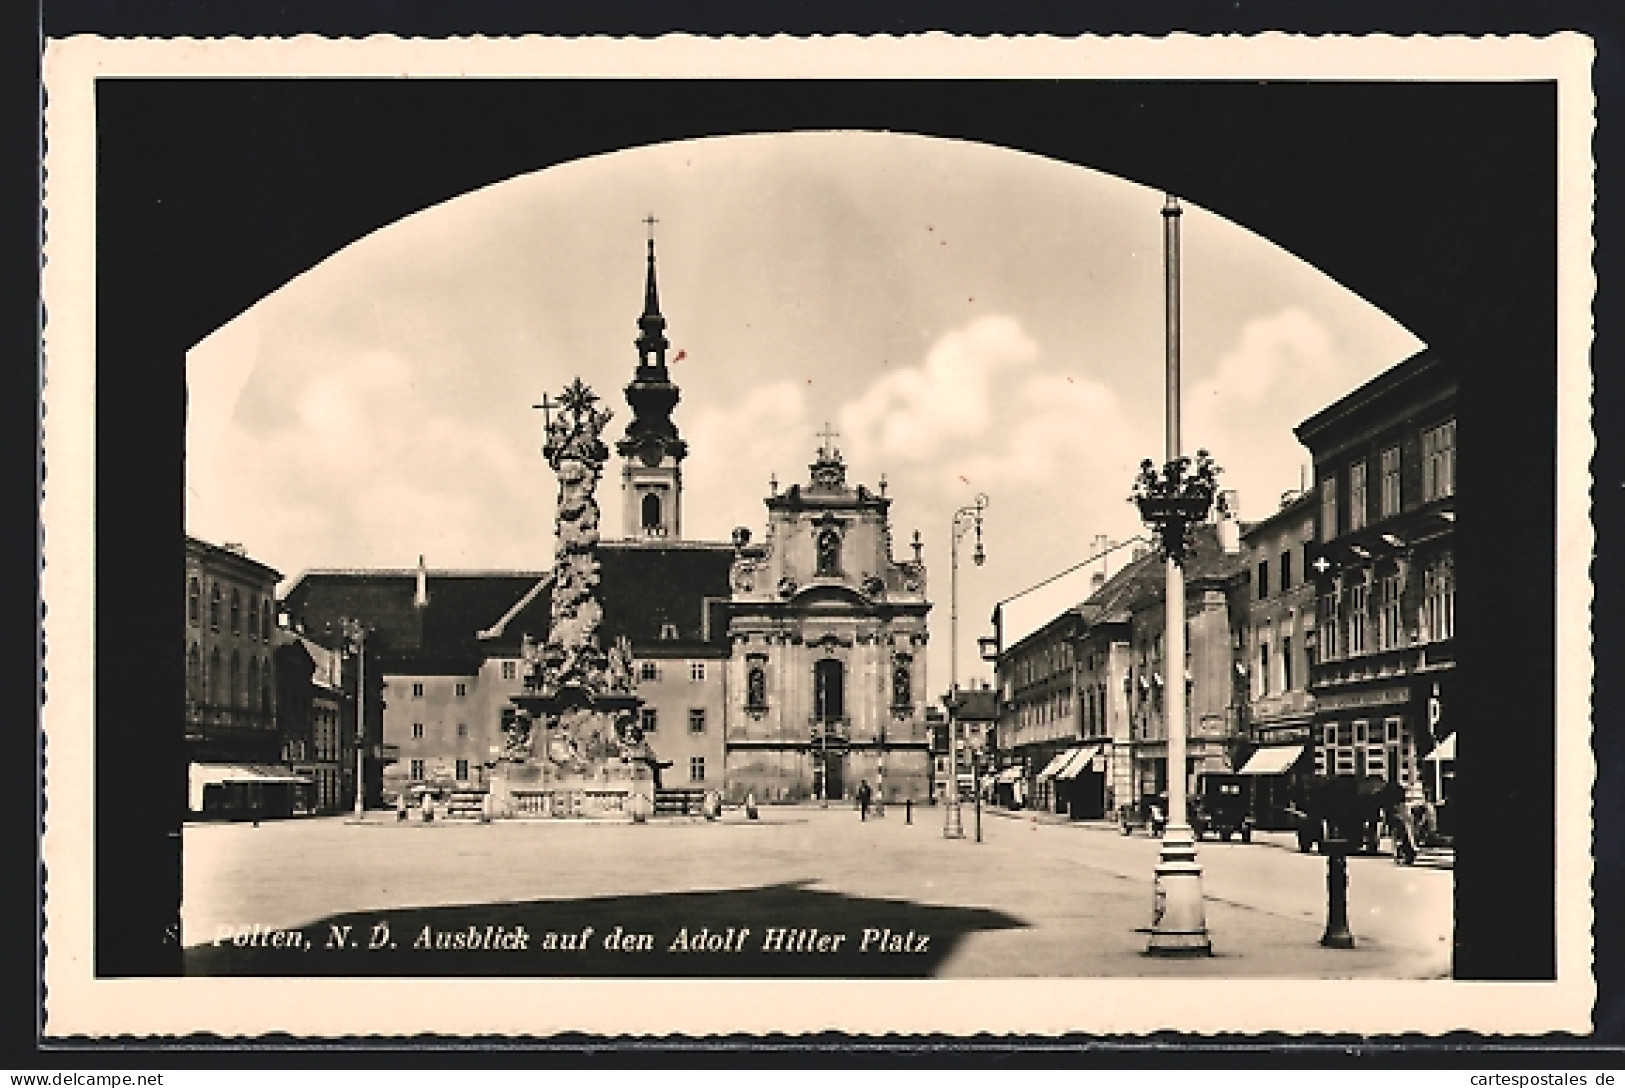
(1078, 762)
(1055, 765)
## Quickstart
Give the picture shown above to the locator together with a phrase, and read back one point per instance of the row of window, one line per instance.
(650, 720)
(257, 622)
(1044, 663)
(1284, 573)
(231, 685)
(1438, 482)
(1362, 748)
(1344, 624)
(417, 730)
(650, 670)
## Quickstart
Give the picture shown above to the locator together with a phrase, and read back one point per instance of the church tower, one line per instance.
(651, 451)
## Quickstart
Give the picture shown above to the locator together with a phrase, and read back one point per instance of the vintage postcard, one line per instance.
(926, 535)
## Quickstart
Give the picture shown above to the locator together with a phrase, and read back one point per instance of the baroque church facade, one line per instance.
(788, 669)
(827, 637)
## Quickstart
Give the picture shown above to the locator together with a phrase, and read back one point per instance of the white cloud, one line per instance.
(734, 447)
(912, 414)
(1282, 369)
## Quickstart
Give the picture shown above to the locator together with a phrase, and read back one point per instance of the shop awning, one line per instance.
(1009, 774)
(1055, 765)
(1273, 760)
(1077, 763)
(1445, 749)
(202, 775)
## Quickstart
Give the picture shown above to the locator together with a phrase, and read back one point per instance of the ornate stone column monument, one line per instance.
(573, 746)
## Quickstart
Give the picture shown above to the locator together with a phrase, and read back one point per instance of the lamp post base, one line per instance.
(1179, 922)
(953, 827)
(1337, 933)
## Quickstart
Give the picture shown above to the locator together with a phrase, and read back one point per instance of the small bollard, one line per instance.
(908, 810)
(1337, 933)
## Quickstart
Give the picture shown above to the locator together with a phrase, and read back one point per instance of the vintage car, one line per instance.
(1346, 808)
(1221, 806)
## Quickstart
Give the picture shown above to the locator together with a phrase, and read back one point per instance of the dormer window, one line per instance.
(668, 631)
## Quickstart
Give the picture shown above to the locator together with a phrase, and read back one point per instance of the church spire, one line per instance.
(651, 449)
(652, 342)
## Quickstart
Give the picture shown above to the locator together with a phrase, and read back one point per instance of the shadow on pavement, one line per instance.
(779, 931)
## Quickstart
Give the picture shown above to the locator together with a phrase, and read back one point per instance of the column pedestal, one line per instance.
(1179, 919)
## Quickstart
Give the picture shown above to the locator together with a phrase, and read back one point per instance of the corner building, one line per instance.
(827, 632)
(1384, 569)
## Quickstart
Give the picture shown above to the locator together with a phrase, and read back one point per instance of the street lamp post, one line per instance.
(880, 775)
(358, 632)
(823, 743)
(965, 518)
(1171, 503)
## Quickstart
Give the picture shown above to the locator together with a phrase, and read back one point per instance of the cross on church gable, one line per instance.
(828, 434)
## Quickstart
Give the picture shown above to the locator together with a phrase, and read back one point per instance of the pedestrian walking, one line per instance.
(400, 808)
(864, 797)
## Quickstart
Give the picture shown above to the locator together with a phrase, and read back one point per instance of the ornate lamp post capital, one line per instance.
(1178, 497)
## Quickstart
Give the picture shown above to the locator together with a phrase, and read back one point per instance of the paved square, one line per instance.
(1036, 898)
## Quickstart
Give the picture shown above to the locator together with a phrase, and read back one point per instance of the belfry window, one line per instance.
(651, 513)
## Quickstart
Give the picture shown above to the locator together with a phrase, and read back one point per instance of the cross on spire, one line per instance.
(547, 407)
(827, 434)
(650, 221)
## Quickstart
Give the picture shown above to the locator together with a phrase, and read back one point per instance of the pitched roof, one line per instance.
(472, 614)
(1143, 582)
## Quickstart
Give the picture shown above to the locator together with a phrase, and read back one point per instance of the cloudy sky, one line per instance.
(969, 319)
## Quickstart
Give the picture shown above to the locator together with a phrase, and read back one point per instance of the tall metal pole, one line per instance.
(953, 827)
(361, 725)
(964, 518)
(1179, 926)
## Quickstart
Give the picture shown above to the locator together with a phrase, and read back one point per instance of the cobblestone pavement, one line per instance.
(1033, 899)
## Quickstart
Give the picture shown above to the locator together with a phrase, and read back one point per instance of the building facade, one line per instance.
(1384, 571)
(1082, 697)
(1280, 612)
(233, 744)
(317, 722)
(827, 633)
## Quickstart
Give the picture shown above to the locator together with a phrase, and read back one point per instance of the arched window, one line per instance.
(829, 690)
(829, 552)
(756, 687)
(651, 512)
(212, 679)
(253, 616)
(236, 612)
(265, 621)
(194, 672)
(253, 683)
(235, 692)
(265, 686)
(214, 606)
(194, 602)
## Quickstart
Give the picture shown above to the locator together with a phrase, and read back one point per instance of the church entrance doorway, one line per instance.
(830, 777)
(829, 715)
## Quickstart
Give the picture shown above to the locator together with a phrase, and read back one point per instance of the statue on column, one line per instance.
(573, 678)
